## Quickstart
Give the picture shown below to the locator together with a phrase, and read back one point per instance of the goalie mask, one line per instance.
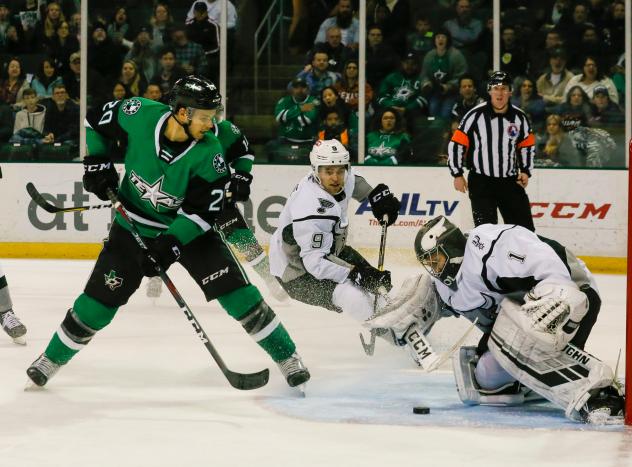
(440, 246)
(328, 152)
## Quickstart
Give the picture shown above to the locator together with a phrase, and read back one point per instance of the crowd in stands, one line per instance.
(427, 65)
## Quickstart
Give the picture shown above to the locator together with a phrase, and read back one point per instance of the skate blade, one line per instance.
(301, 389)
(30, 386)
(19, 340)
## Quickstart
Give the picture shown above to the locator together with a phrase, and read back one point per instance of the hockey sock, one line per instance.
(246, 243)
(259, 321)
(5, 298)
(78, 327)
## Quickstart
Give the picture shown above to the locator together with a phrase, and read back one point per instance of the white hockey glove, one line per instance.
(416, 302)
(555, 312)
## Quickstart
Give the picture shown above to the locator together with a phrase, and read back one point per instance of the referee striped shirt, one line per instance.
(492, 144)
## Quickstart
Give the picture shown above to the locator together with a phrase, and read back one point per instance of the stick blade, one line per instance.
(39, 199)
(248, 381)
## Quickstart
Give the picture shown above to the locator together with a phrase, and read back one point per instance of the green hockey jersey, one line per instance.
(385, 148)
(237, 150)
(294, 124)
(398, 90)
(168, 187)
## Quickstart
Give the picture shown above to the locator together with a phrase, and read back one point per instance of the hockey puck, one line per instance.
(420, 409)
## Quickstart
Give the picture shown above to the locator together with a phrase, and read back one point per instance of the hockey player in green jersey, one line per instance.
(239, 156)
(173, 189)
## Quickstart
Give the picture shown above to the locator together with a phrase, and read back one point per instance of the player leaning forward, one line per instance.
(536, 303)
(308, 252)
(173, 189)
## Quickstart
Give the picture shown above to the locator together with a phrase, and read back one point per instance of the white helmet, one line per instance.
(328, 152)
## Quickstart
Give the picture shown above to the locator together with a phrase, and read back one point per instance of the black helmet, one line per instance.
(439, 235)
(498, 78)
(196, 92)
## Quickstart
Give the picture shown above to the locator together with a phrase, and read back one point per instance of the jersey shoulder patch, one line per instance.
(219, 164)
(311, 200)
(131, 106)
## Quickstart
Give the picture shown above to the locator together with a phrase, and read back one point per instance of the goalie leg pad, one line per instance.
(564, 377)
(354, 301)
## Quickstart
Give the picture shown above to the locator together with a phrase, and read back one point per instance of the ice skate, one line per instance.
(13, 327)
(41, 370)
(604, 408)
(154, 287)
(295, 372)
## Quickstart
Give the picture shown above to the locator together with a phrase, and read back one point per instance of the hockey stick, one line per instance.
(370, 347)
(49, 207)
(236, 380)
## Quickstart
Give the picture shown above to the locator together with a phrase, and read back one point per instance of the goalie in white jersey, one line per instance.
(536, 304)
(308, 253)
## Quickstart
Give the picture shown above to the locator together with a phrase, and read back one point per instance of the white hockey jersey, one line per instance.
(313, 229)
(508, 260)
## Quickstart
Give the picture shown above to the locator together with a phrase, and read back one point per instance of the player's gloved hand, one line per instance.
(239, 187)
(371, 279)
(383, 202)
(99, 175)
(164, 250)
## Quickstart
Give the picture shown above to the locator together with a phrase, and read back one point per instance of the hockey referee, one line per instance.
(495, 142)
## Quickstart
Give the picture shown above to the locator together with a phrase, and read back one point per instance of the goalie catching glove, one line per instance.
(555, 312)
(164, 251)
(371, 279)
(99, 176)
(383, 203)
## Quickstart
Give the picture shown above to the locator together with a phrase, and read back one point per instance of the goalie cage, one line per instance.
(628, 346)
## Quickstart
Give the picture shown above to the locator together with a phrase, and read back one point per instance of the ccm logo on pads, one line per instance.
(215, 275)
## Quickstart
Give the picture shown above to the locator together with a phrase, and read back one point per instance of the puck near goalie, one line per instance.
(535, 303)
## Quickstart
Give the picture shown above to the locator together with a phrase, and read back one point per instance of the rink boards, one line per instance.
(585, 210)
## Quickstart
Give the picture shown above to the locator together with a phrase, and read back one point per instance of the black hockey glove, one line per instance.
(371, 279)
(239, 187)
(99, 175)
(165, 250)
(384, 203)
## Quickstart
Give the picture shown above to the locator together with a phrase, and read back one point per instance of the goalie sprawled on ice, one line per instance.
(536, 304)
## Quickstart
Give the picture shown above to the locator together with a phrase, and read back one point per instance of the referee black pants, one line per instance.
(490, 194)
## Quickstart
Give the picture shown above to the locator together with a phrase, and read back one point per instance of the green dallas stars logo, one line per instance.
(112, 281)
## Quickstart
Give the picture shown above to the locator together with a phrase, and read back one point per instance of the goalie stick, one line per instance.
(243, 381)
(49, 207)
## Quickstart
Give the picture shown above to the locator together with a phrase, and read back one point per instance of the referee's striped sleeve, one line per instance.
(459, 145)
(526, 147)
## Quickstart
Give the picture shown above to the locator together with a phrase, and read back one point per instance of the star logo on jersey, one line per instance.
(234, 129)
(382, 150)
(112, 280)
(440, 75)
(152, 192)
(403, 93)
(131, 106)
(324, 205)
(219, 164)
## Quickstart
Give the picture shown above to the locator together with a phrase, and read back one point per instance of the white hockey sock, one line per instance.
(354, 301)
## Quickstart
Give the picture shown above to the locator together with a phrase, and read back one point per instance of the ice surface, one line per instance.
(145, 392)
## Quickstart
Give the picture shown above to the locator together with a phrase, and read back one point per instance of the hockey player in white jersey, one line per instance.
(9, 322)
(308, 253)
(536, 304)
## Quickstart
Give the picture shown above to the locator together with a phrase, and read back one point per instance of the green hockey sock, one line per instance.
(246, 243)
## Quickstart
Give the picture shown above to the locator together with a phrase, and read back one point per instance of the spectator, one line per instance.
(388, 144)
(161, 23)
(169, 72)
(75, 25)
(29, 122)
(73, 77)
(576, 110)
(6, 122)
(552, 84)
(395, 21)
(104, 56)
(597, 12)
(442, 67)
(318, 75)
(204, 31)
(153, 92)
(380, 57)
(401, 90)
(46, 78)
(572, 25)
(15, 44)
(468, 98)
(464, 28)
(513, 56)
(539, 59)
(559, 9)
(336, 51)
(189, 55)
(6, 20)
(62, 118)
(297, 117)
(605, 112)
(349, 26)
(46, 29)
(330, 100)
(349, 87)
(120, 92)
(132, 78)
(421, 39)
(590, 44)
(334, 128)
(556, 148)
(29, 14)
(214, 10)
(526, 98)
(62, 45)
(142, 53)
(591, 77)
(13, 83)
(119, 30)
(615, 28)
